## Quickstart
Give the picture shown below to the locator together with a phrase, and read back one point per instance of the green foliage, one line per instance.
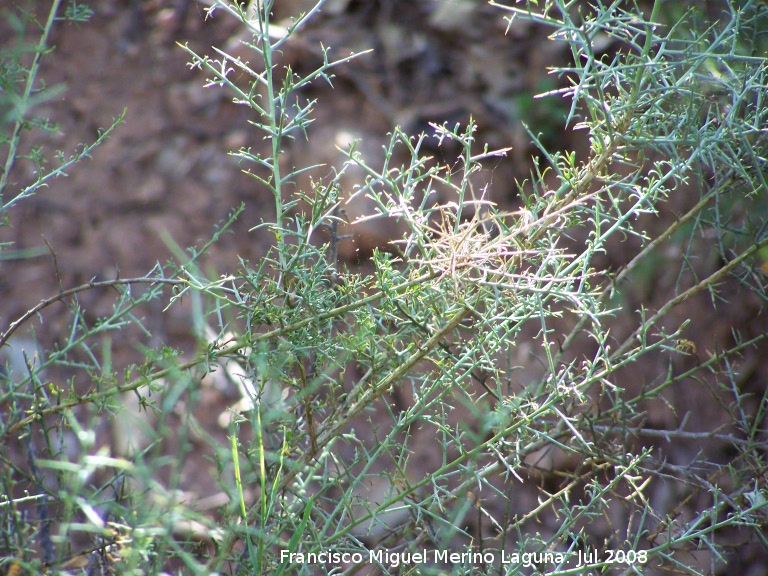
(22, 90)
(318, 457)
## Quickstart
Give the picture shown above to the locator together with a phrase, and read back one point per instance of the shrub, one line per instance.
(478, 397)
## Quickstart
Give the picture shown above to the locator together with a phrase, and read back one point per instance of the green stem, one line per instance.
(42, 45)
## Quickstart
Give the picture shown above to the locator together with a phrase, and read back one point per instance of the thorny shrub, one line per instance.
(526, 436)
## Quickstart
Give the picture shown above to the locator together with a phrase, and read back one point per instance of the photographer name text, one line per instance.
(394, 559)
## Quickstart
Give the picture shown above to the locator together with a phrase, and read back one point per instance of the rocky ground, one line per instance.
(165, 178)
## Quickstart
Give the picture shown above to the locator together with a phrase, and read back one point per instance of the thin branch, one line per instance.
(670, 435)
(82, 288)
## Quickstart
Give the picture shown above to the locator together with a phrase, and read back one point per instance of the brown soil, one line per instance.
(165, 173)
